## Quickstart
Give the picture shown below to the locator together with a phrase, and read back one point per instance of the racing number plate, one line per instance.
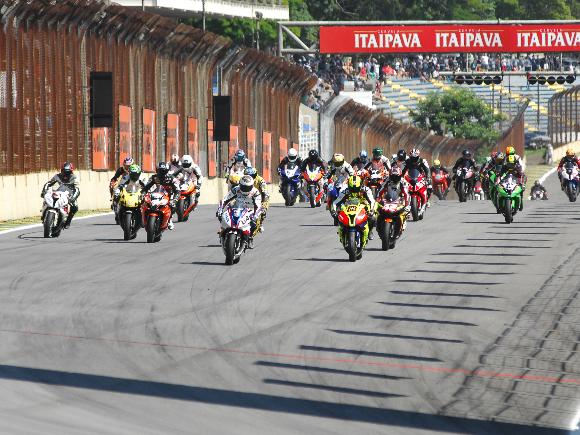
(351, 208)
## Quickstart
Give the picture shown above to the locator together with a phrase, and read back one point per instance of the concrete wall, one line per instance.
(561, 151)
(20, 194)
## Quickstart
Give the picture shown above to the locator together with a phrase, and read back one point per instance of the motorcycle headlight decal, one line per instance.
(343, 218)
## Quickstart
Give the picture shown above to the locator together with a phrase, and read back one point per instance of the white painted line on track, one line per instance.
(547, 174)
(27, 227)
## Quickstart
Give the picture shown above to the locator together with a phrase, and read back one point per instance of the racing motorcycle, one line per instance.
(418, 193)
(375, 180)
(353, 228)
(156, 213)
(312, 176)
(478, 193)
(508, 196)
(55, 211)
(538, 195)
(129, 200)
(569, 174)
(236, 224)
(186, 203)
(290, 182)
(464, 183)
(440, 184)
(391, 218)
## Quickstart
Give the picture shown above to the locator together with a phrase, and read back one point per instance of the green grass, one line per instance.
(6, 225)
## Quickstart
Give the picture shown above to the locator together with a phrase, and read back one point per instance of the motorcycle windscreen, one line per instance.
(414, 174)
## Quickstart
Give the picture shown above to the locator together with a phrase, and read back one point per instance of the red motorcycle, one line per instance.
(156, 213)
(312, 176)
(375, 180)
(418, 193)
(187, 202)
(440, 184)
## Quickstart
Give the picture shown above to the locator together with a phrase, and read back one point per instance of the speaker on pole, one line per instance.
(222, 117)
(101, 99)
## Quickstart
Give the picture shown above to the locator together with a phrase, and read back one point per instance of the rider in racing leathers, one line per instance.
(245, 196)
(339, 169)
(238, 163)
(163, 178)
(466, 160)
(379, 161)
(396, 182)
(190, 170)
(357, 188)
(512, 162)
(361, 161)
(399, 159)
(570, 157)
(68, 179)
(537, 187)
(414, 161)
(121, 173)
(262, 186)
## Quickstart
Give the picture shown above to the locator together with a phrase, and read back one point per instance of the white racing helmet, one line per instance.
(186, 161)
(246, 184)
(292, 154)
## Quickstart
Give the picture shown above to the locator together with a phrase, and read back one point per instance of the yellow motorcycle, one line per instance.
(130, 199)
(353, 227)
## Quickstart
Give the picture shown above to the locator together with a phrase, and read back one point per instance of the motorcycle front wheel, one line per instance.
(414, 208)
(180, 209)
(508, 211)
(386, 236)
(48, 222)
(351, 246)
(127, 221)
(230, 248)
(571, 192)
(150, 228)
(312, 195)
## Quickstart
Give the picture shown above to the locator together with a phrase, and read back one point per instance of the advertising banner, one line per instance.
(171, 136)
(192, 139)
(125, 133)
(100, 140)
(251, 139)
(493, 38)
(234, 141)
(283, 148)
(267, 156)
(211, 151)
(149, 141)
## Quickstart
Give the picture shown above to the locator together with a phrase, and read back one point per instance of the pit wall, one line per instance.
(20, 194)
(561, 151)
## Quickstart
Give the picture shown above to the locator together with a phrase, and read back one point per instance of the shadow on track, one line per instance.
(419, 320)
(445, 307)
(343, 390)
(332, 260)
(502, 246)
(329, 370)
(207, 263)
(458, 272)
(431, 281)
(266, 402)
(403, 337)
(457, 295)
(369, 353)
(476, 263)
(488, 254)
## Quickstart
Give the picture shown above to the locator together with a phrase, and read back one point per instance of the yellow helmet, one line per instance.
(510, 151)
(436, 163)
(337, 159)
(570, 152)
(354, 183)
(234, 179)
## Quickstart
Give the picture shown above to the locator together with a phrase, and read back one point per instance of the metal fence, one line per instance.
(514, 135)
(48, 49)
(564, 117)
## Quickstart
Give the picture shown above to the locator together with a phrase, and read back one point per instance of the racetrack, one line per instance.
(468, 319)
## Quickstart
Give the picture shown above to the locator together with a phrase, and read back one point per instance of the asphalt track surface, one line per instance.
(468, 326)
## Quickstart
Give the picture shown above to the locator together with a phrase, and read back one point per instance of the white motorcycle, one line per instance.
(235, 234)
(55, 211)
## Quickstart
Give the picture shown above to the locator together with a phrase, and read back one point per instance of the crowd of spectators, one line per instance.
(371, 72)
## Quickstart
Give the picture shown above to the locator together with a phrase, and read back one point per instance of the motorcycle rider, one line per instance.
(291, 157)
(414, 161)
(69, 180)
(121, 171)
(189, 169)
(262, 186)
(356, 188)
(538, 187)
(361, 161)
(466, 160)
(570, 157)
(133, 178)
(399, 159)
(512, 162)
(163, 178)
(339, 169)
(238, 162)
(397, 183)
(245, 195)
(315, 160)
(438, 167)
(379, 161)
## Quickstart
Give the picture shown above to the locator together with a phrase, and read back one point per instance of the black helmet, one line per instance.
(537, 183)
(401, 155)
(162, 169)
(466, 154)
(66, 171)
(313, 154)
(395, 175)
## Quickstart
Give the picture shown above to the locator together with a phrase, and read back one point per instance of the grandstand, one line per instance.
(399, 96)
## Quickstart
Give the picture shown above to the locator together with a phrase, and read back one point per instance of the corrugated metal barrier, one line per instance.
(564, 117)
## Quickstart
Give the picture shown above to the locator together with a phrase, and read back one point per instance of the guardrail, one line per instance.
(564, 117)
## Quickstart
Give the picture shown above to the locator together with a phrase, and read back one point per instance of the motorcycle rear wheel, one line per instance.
(386, 236)
(48, 222)
(571, 192)
(230, 248)
(312, 195)
(461, 191)
(351, 246)
(150, 228)
(127, 224)
(180, 210)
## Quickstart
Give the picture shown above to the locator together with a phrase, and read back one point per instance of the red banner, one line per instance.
(149, 141)
(100, 140)
(267, 156)
(211, 151)
(192, 139)
(251, 141)
(450, 39)
(171, 136)
(125, 133)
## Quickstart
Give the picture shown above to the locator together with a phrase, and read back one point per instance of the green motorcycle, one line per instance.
(509, 196)
(493, 190)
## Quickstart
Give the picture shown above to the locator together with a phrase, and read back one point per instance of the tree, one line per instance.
(459, 112)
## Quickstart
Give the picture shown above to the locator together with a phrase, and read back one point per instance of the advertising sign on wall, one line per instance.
(494, 38)
(100, 141)
(149, 141)
(211, 151)
(251, 140)
(125, 132)
(171, 135)
(267, 156)
(192, 139)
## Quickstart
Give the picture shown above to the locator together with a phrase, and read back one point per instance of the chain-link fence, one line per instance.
(564, 117)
